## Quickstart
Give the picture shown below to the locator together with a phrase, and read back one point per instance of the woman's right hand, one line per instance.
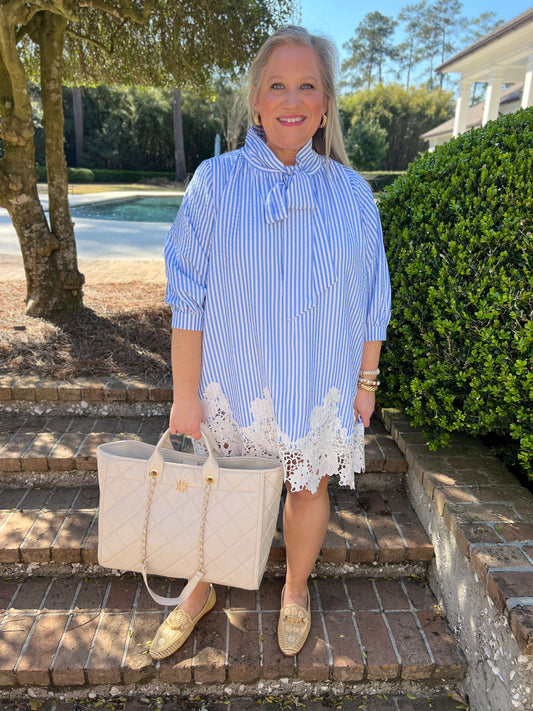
(185, 417)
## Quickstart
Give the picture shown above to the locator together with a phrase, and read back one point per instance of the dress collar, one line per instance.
(262, 157)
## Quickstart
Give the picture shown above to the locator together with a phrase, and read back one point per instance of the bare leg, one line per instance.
(305, 522)
(197, 599)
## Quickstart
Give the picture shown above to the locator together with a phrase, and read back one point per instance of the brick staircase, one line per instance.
(69, 626)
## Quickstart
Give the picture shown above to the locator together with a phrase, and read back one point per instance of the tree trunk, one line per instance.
(179, 146)
(52, 280)
(77, 108)
(21, 199)
(58, 286)
(442, 57)
(410, 64)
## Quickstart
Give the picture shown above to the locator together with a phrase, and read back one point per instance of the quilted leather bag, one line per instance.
(170, 513)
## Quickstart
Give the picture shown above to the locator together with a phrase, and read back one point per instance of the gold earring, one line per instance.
(257, 120)
(324, 121)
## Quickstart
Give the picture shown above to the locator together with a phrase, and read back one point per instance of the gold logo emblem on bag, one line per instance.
(182, 486)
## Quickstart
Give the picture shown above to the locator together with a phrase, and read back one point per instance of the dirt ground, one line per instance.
(123, 330)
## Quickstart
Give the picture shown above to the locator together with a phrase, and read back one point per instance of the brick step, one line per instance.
(18, 389)
(44, 449)
(92, 632)
(55, 530)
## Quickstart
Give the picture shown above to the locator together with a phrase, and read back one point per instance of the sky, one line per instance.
(338, 18)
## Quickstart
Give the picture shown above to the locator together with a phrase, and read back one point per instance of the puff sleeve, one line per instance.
(377, 272)
(187, 252)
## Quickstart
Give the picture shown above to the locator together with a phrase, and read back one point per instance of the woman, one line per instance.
(280, 297)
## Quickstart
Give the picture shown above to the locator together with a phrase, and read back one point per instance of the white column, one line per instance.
(527, 93)
(461, 108)
(492, 97)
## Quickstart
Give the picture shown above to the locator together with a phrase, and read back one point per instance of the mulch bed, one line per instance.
(123, 330)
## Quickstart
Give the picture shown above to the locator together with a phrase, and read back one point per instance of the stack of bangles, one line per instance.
(367, 380)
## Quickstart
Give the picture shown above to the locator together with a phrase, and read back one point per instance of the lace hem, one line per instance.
(325, 451)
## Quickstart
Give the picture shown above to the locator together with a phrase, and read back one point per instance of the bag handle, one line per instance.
(210, 472)
(156, 462)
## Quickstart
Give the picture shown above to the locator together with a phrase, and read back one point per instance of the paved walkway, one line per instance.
(72, 632)
(61, 628)
(108, 250)
(66, 623)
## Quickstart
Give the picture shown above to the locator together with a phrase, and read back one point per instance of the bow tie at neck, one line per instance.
(294, 188)
(294, 192)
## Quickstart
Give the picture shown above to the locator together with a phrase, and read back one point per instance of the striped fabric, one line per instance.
(284, 271)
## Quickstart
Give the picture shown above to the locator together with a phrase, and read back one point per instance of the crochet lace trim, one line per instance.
(325, 451)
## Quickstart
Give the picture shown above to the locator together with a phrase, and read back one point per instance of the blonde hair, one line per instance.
(327, 141)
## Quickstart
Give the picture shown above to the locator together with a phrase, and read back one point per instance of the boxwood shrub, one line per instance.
(80, 175)
(75, 175)
(102, 175)
(458, 231)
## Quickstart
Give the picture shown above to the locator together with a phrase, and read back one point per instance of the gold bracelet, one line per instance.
(369, 372)
(364, 386)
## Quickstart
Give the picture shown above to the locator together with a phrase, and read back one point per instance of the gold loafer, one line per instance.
(176, 629)
(293, 626)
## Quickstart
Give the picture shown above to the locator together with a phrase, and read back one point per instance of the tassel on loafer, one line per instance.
(293, 626)
(176, 629)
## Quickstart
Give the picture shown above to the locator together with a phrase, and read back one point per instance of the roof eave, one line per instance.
(510, 26)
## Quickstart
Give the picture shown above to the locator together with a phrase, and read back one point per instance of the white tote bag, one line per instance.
(170, 513)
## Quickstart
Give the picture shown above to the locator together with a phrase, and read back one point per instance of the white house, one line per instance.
(504, 56)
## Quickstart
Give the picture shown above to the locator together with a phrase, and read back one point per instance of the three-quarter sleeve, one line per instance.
(187, 252)
(377, 272)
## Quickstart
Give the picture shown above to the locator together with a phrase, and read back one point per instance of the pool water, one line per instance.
(134, 209)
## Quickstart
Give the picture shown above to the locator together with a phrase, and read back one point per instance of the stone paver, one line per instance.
(60, 526)
(53, 630)
(521, 621)
(41, 443)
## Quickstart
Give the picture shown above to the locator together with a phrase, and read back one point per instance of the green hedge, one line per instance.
(102, 175)
(458, 230)
(75, 175)
(130, 176)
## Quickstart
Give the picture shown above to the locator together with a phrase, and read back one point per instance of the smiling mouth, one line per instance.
(291, 120)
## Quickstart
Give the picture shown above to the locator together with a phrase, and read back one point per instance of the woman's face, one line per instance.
(290, 100)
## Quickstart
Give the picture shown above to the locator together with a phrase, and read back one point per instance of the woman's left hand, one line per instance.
(363, 405)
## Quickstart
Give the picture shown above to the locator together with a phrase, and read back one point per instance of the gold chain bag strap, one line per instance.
(210, 472)
(170, 513)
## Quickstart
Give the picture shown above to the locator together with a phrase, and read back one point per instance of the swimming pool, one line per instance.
(139, 208)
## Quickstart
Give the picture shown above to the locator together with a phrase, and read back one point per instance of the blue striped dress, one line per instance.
(283, 269)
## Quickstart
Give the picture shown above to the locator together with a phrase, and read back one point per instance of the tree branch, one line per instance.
(22, 12)
(124, 11)
(89, 40)
(13, 68)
